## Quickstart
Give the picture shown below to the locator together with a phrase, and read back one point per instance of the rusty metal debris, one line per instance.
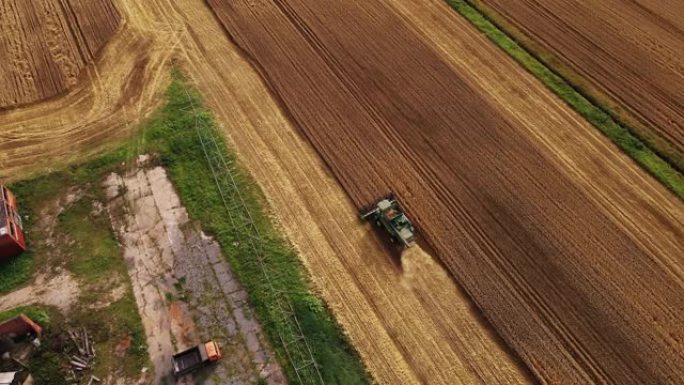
(82, 361)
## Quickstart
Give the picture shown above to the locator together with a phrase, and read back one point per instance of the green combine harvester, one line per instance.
(387, 213)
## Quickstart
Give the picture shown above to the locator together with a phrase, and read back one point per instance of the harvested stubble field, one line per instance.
(45, 44)
(103, 108)
(570, 250)
(410, 325)
(630, 50)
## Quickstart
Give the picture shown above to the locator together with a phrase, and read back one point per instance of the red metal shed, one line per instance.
(20, 326)
(12, 240)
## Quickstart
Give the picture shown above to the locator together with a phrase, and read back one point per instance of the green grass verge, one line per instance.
(171, 134)
(38, 314)
(618, 133)
(95, 252)
(15, 272)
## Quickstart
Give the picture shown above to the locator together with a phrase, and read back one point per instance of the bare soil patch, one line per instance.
(59, 291)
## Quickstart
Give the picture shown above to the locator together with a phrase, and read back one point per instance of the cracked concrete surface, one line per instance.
(185, 290)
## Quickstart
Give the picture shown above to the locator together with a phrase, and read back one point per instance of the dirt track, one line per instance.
(570, 250)
(44, 45)
(407, 332)
(632, 50)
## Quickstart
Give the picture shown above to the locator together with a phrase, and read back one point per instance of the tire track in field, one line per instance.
(46, 44)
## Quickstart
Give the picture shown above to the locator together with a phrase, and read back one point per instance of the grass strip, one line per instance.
(621, 135)
(172, 135)
(659, 144)
(37, 313)
(15, 272)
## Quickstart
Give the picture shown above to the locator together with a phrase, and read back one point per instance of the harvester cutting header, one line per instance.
(387, 213)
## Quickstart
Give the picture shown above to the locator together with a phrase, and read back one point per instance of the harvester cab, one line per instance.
(387, 213)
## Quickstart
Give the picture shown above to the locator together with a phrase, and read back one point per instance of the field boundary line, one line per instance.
(605, 120)
(293, 341)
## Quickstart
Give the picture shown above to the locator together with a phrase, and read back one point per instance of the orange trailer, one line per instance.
(196, 357)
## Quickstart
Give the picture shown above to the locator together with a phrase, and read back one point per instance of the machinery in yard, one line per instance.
(195, 358)
(387, 213)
